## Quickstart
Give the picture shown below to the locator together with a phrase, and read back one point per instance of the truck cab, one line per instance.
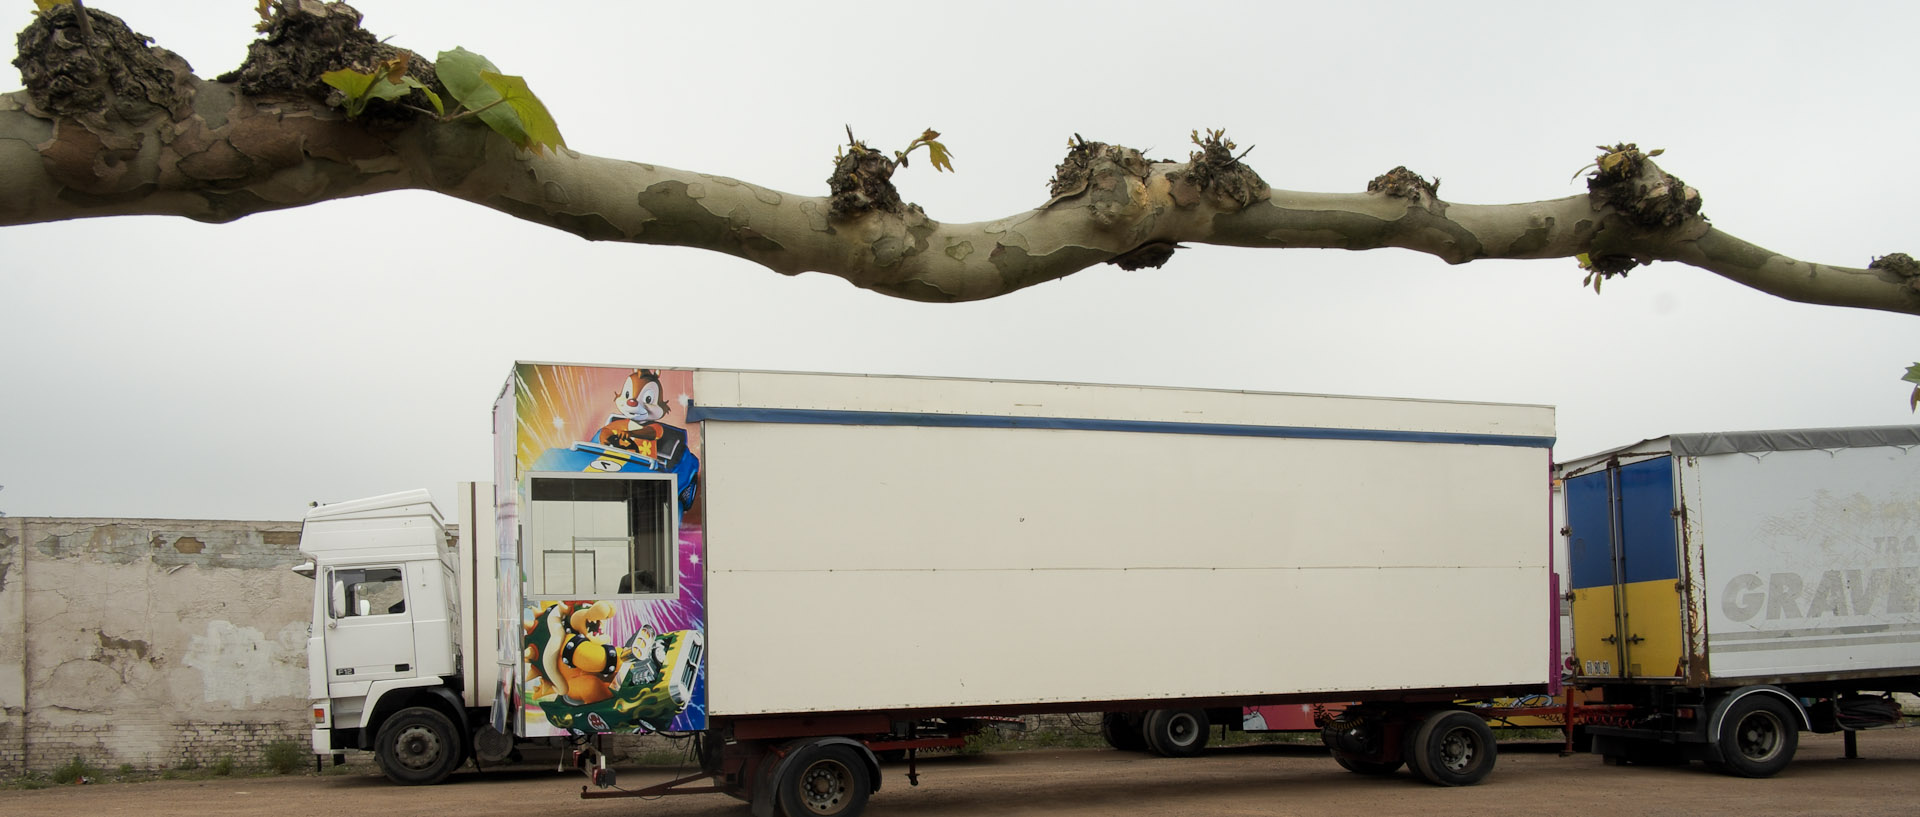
(383, 657)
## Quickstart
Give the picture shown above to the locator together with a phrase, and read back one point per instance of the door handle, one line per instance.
(1612, 639)
(1635, 639)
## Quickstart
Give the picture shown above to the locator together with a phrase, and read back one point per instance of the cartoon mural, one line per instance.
(614, 640)
(583, 684)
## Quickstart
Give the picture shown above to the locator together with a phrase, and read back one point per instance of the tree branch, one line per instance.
(217, 153)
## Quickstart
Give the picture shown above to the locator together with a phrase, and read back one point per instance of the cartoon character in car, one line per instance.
(633, 439)
(652, 681)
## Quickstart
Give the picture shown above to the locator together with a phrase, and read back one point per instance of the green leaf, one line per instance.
(1913, 376)
(354, 85)
(941, 158)
(47, 5)
(499, 102)
(438, 106)
(535, 120)
(361, 87)
(388, 91)
(460, 70)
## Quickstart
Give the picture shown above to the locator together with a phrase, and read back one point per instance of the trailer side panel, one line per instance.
(887, 559)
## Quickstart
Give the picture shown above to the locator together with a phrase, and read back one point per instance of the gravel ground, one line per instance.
(1531, 779)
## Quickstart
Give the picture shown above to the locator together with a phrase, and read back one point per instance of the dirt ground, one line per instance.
(1250, 780)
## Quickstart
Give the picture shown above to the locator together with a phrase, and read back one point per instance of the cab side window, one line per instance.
(373, 591)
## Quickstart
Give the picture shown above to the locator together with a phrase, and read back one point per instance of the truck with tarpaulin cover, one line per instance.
(1730, 590)
(806, 572)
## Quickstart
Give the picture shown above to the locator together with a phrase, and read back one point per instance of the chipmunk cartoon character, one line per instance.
(568, 657)
(637, 411)
(634, 439)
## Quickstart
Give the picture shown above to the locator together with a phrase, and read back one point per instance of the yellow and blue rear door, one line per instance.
(1624, 555)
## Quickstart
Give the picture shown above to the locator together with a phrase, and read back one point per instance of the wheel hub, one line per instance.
(418, 747)
(1182, 730)
(825, 787)
(1758, 738)
(1457, 750)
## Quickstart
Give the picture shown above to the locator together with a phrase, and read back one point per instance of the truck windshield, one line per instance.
(590, 536)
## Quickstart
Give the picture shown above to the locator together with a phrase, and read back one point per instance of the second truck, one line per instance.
(1730, 590)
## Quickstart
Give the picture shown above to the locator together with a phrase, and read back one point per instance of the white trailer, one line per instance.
(807, 569)
(1732, 589)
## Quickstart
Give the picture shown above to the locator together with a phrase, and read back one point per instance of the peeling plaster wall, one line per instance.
(155, 643)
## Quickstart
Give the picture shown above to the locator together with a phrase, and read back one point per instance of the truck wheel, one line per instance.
(1452, 748)
(1757, 737)
(418, 746)
(1176, 732)
(492, 746)
(824, 780)
(1122, 731)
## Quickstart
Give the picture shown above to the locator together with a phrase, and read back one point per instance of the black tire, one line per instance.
(1407, 747)
(824, 780)
(1122, 731)
(491, 746)
(1176, 732)
(1452, 748)
(1758, 735)
(1366, 767)
(419, 746)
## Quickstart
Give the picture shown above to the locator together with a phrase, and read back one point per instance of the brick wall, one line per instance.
(153, 643)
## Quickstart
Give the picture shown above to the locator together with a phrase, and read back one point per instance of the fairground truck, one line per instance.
(806, 572)
(1730, 590)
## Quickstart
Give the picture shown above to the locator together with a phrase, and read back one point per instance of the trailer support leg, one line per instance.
(1852, 741)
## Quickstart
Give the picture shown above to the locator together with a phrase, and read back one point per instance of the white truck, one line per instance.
(1730, 590)
(808, 571)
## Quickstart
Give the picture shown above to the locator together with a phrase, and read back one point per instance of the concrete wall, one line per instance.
(156, 643)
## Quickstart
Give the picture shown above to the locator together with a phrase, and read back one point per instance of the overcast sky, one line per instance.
(159, 367)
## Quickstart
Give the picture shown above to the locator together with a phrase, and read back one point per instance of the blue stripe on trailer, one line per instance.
(697, 413)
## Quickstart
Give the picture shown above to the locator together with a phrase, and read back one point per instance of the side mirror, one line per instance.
(339, 606)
